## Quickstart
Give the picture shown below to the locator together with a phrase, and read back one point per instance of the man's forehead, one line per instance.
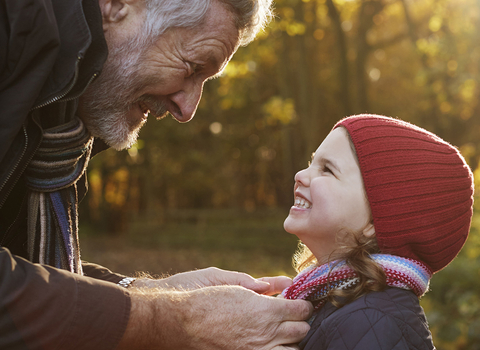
(216, 39)
(217, 46)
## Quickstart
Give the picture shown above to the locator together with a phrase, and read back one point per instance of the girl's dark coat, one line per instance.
(388, 320)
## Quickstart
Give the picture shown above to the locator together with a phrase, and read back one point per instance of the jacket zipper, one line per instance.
(14, 167)
(66, 91)
(52, 100)
(92, 78)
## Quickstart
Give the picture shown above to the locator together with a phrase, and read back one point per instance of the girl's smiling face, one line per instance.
(330, 199)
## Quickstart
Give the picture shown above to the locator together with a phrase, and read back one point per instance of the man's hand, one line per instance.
(223, 317)
(213, 276)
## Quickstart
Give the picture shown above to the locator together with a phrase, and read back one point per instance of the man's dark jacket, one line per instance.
(50, 51)
(388, 320)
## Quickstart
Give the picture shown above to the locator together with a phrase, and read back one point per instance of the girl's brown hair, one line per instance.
(357, 256)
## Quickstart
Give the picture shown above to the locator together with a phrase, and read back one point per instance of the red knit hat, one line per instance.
(419, 187)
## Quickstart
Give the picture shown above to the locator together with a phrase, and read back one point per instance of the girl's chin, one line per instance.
(287, 224)
(290, 226)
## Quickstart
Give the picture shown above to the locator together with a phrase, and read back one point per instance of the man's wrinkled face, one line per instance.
(140, 80)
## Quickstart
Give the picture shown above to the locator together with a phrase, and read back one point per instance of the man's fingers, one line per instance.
(213, 276)
(287, 347)
(261, 321)
(277, 284)
(216, 277)
(291, 332)
(256, 285)
(265, 285)
(293, 328)
(233, 278)
(296, 310)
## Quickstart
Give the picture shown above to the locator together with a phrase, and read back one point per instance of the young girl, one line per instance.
(382, 206)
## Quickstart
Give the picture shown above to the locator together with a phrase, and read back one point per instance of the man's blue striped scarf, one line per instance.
(51, 177)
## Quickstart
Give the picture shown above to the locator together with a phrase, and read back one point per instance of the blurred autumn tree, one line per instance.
(256, 126)
(318, 61)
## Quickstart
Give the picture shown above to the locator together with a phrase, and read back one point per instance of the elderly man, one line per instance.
(75, 75)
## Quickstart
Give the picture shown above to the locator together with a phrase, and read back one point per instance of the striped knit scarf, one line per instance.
(315, 282)
(51, 177)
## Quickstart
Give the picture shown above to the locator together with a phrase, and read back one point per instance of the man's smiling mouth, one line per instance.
(144, 108)
(153, 106)
(302, 203)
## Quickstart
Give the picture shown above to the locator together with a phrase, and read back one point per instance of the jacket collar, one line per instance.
(316, 321)
(82, 53)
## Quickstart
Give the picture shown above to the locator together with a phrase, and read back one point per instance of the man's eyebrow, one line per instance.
(214, 62)
(217, 75)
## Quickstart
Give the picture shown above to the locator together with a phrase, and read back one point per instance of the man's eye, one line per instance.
(194, 68)
(326, 169)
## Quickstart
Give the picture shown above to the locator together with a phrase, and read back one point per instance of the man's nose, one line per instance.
(186, 101)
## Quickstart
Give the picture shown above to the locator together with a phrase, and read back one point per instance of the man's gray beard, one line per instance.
(108, 99)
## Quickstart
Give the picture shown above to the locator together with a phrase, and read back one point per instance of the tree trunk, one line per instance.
(343, 69)
(427, 120)
(368, 10)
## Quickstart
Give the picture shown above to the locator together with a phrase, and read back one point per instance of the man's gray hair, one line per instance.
(251, 16)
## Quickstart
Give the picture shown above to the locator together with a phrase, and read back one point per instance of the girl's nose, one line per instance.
(302, 177)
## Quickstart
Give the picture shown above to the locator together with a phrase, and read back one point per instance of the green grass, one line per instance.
(255, 243)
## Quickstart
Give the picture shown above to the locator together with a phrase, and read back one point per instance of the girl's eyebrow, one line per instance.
(326, 161)
(331, 163)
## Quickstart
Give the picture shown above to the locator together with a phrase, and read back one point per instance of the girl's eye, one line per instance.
(326, 169)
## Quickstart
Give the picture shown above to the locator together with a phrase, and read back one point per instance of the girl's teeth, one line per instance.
(302, 203)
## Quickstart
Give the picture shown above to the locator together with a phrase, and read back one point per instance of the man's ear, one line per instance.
(369, 230)
(114, 10)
